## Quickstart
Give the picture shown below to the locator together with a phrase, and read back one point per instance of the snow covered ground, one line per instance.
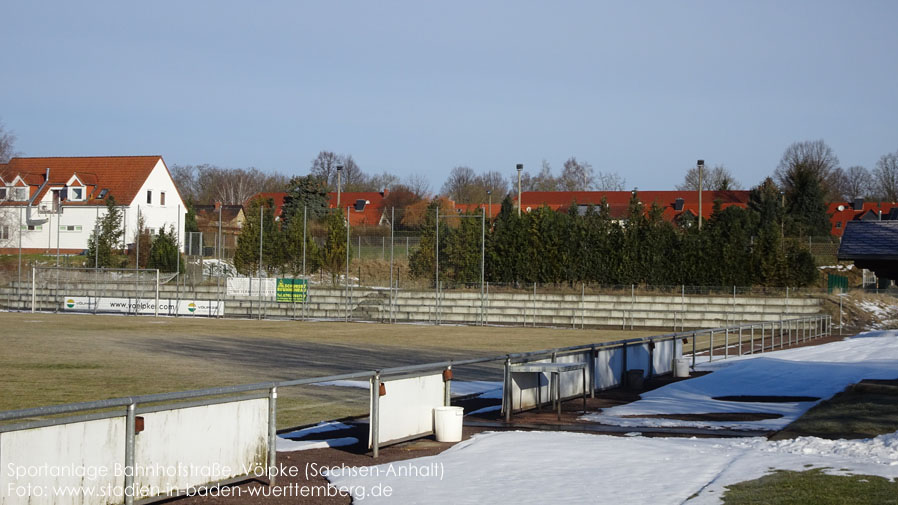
(818, 371)
(556, 467)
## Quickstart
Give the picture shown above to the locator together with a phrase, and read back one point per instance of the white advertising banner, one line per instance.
(246, 286)
(143, 306)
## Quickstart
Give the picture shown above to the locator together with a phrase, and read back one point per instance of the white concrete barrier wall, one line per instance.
(664, 354)
(524, 392)
(406, 411)
(84, 463)
(609, 367)
(638, 358)
(203, 444)
(77, 463)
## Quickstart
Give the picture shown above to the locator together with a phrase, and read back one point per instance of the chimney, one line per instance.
(385, 192)
(858, 204)
(678, 204)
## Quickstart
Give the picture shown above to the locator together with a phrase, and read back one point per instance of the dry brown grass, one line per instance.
(60, 358)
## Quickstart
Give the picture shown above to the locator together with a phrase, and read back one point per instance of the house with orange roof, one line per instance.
(859, 210)
(52, 204)
(365, 208)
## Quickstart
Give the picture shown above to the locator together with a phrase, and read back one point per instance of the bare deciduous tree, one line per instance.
(543, 181)
(493, 183)
(351, 177)
(382, 181)
(7, 144)
(325, 166)
(610, 181)
(419, 185)
(186, 181)
(461, 185)
(576, 176)
(854, 182)
(231, 186)
(714, 179)
(814, 155)
(886, 177)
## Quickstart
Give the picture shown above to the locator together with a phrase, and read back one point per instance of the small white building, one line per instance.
(53, 203)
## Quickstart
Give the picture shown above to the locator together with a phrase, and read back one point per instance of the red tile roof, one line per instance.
(369, 216)
(843, 212)
(121, 175)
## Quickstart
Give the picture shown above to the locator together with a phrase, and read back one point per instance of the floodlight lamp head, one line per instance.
(339, 168)
(520, 166)
(701, 163)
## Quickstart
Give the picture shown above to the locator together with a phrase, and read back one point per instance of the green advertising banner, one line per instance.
(292, 290)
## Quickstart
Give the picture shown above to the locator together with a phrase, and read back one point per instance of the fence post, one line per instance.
(726, 343)
(583, 306)
(711, 346)
(130, 428)
(592, 371)
(156, 311)
(740, 341)
(272, 433)
(375, 413)
(33, 289)
(693, 350)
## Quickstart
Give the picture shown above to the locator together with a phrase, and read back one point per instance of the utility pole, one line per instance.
(520, 168)
(701, 168)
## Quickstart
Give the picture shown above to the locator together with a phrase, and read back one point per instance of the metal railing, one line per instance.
(770, 336)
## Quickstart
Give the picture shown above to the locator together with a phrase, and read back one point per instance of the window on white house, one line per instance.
(149, 197)
(70, 227)
(4, 232)
(162, 198)
(32, 227)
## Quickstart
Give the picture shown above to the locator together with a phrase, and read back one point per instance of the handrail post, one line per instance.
(508, 389)
(375, 414)
(130, 429)
(272, 434)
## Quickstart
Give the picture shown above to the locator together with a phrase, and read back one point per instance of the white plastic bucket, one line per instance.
(681, 367)
(447, 422)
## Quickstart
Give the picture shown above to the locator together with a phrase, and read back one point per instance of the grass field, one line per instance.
(49, 359)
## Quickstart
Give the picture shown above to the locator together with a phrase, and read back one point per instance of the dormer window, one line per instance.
(76, 194)
(2, 194)
(19, 194)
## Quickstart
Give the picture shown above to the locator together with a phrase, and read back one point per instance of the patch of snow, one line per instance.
(553, 467)
(491, 390)
(286, 445)
(484, 410)
(843, 268)
(818, 371)
(319, 428)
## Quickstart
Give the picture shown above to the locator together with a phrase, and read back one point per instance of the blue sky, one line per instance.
(639, 88)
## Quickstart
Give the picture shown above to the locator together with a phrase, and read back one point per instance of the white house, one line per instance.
(50, 203)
